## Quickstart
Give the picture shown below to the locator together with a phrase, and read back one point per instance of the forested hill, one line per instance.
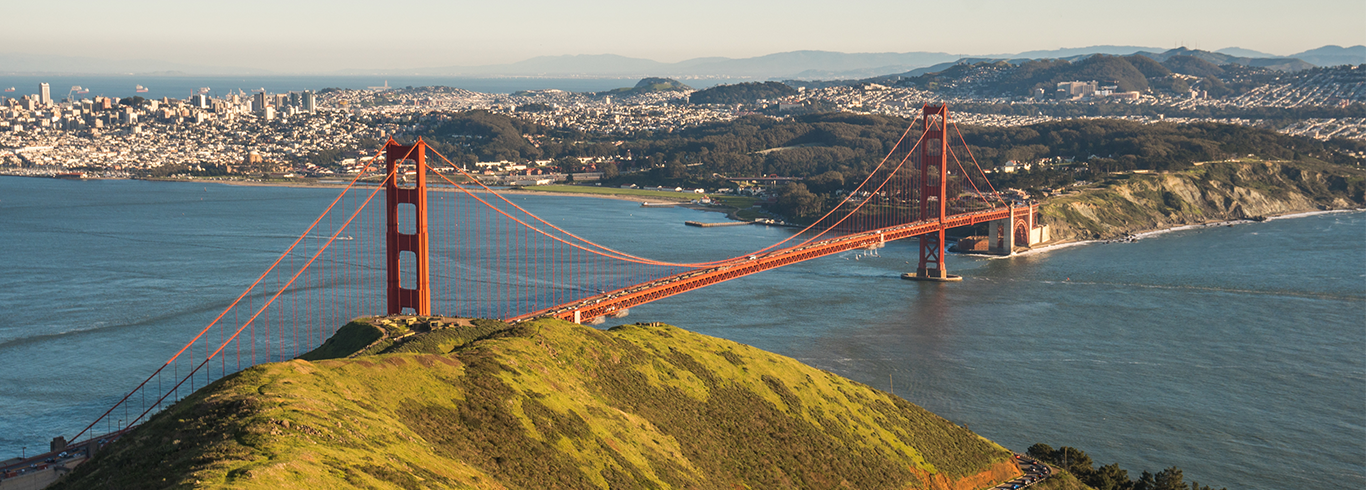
(808, 146)
(1008, 78)
(742, 93)
(1135, 73)
(1172, 72)
(544, 404)
(836, 149)
(646, 85)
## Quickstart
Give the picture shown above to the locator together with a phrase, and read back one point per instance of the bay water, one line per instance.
(1237, 353)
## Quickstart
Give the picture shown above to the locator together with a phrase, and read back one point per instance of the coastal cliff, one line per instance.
(1213, 192)
(422, 403)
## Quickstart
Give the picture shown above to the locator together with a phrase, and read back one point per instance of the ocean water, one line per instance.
(1236, 353)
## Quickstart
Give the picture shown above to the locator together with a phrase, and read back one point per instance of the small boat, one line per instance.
(11, 89)
(140, 89)
(203, 90)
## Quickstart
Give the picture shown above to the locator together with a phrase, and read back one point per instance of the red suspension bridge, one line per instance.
(454, 247)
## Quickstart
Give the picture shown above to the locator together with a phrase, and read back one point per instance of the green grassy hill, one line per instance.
(393, 403)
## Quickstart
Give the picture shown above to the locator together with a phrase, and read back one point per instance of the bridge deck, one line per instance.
(612, 302)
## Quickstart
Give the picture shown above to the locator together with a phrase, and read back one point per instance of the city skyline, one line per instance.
(315, 37)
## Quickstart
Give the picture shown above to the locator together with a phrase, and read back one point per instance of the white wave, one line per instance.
(1314, 213)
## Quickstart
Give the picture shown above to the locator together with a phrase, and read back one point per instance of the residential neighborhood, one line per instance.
(336, 131)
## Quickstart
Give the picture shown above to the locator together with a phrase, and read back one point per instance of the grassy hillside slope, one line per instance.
(544, 404)
(1217, 191)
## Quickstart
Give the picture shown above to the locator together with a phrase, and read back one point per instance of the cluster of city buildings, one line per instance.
(277, 134)
(1325, 128)
(112, 137)
(41, 111)
(1324, 87)
(1089, 90)
(628, 112)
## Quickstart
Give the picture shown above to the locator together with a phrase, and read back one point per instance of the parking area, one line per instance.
(1034, 472)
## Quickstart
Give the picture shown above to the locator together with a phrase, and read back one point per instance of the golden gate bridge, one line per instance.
(454, 247)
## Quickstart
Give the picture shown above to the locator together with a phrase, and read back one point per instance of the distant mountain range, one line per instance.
(1245, 53)
(798, 65)
(827, 65)
(1283, 64)
(1073, 52)
(792, 64)
(1334, 55)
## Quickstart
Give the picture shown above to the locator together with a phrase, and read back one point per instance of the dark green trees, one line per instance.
(1111, 476)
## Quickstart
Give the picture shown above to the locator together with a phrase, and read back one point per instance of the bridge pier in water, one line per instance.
(934, 179)
(932, 260)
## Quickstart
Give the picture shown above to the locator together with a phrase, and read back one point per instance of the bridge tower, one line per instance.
(934, 148)
(418, 298)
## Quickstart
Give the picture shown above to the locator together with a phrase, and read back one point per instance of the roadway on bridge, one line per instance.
(615, 302)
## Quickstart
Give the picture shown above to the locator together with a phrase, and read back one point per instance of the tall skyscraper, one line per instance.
(310, 102)
(259, 101)
(44, 94)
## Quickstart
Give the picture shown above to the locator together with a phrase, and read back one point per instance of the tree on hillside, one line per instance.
(741, 93)
(134, 101)
(568, 165)
(1168, 479)
(796, 201)
(1190, 65)
(675, 169)
(1214, 87)
(1147, 66)
(1109, 477)
(827, 182)
(1104, 68)
(492, 137)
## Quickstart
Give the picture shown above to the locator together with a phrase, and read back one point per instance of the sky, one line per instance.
(314, 36)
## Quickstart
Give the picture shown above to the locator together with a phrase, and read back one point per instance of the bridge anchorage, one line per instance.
(455, 247)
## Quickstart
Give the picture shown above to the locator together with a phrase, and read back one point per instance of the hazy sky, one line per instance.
(315, 35)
